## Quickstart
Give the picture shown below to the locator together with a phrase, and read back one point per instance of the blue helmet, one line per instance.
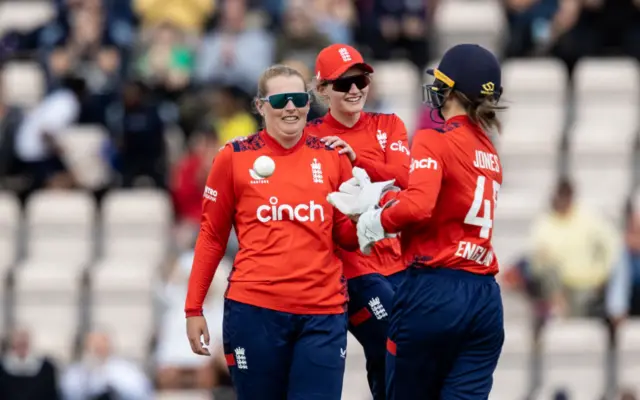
(467, 68)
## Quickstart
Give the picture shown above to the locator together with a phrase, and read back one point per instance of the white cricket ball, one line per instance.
(264, 166)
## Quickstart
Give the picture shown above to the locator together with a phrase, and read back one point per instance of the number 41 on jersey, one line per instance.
(485, 222)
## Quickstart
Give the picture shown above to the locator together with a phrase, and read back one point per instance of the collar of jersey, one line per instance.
(461, 119)
(334, 123)
(277, 147)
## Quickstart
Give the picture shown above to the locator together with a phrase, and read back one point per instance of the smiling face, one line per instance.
(348, 94)
(288, 121)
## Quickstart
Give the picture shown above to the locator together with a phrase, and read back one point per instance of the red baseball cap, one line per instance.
(335, 60)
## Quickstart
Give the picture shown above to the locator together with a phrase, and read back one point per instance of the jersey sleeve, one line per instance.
(416, 203)
(397, 158)
(218, 206)
(344, 230)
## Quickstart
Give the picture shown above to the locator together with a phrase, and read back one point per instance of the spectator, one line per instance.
(300, 39)
(190, 175)
(10, 120)
(561, 394)
(623, 294)
(335, 19)
(37, 143)
(234, 53)
(166, 61)
(592, 28)
(188, 15)
(102, 375)
(230, 117)
(573, 250)
(178, 367)
(87, 50)
(389, 25)
(137, 131)
(25, 375)
(531, 25)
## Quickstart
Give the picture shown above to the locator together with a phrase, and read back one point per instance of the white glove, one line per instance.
(358, 194)
(370, 229)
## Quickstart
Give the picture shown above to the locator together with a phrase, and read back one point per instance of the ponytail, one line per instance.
(483, 112)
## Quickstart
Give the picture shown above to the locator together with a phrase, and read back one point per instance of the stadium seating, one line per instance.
(60, 245)
(135, 227)
(629, 354)
(23, 83)
(9, 234)
(398, 83)
(83, 152)
(574, 356)
(23, 15)
(603, 139)
(529, 148)
(184, 395)
(479, 22)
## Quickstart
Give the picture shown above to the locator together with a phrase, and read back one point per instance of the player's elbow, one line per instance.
(349, 245)
(402, 181)
(348, 238)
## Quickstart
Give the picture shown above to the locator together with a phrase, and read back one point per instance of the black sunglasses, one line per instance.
(343, 85)
(280, 100)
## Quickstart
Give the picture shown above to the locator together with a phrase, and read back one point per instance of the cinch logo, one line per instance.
(210, 194)
(398, 146)
(287, 212)
(425, 163)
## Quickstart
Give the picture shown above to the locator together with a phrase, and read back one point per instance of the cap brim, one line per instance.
(344, 68)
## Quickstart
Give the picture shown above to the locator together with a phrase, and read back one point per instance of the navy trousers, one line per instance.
(274, 355)
(370, 302)
(445, 336)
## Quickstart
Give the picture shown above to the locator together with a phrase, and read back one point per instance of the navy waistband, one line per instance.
(457, 273)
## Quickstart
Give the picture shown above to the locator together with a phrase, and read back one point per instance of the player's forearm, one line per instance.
(407, 209)
(379, 171)
(345, 234)
(207, 256)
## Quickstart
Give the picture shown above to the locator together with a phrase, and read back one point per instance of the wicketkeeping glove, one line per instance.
(358, 194)
(370, 229)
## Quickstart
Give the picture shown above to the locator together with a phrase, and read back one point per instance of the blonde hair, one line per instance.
(273, 72)
(482, 111)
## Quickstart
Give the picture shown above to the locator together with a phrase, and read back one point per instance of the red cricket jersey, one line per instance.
(380, 143)
(446, 213)
(286, 228)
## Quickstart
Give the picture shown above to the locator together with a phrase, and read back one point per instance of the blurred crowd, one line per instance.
(142, 68)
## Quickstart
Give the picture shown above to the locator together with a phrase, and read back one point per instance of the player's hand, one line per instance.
(196, 329)
(358, 194)
(370, 229)
(334, 141)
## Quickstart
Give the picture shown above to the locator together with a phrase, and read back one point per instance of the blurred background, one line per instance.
(111, 112)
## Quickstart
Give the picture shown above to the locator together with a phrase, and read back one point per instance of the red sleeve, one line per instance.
(397, 158)
(416, 203)
(345, 234)
(218, 206)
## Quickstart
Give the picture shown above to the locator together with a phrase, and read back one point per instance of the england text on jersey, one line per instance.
(446, 214)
